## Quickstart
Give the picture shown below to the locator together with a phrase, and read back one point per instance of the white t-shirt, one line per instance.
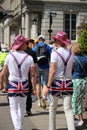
(13, 67)
(60, 65)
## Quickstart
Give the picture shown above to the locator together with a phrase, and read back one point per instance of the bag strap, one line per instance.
(80, 65)
(64, 61)
(19, 64)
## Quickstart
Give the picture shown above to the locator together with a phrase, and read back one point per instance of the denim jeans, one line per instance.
(17, 111)
(44, 76)
(67, 110)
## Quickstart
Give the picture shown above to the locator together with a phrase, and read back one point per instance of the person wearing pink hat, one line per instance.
(18, 63)
(60, 80)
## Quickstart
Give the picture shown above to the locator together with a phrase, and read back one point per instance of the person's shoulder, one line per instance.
(54, 52)
(81, 56)
(85, 58)
(35, 48)
(29, 51)
(47, 46)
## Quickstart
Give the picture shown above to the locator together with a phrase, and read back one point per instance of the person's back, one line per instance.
(60, 64)
(29, 51)
(43, 52)
(78, 71)
(13, 68)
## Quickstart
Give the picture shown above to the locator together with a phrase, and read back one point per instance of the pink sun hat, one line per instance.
(19, 41)
(62, 37)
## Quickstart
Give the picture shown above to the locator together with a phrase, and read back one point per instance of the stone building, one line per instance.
(34, 17)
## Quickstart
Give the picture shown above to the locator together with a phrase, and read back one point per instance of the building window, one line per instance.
(70, 25)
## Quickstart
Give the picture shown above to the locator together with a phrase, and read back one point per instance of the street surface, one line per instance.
(38, 120)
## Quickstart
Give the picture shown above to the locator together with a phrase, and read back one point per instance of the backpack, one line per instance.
(42, 55)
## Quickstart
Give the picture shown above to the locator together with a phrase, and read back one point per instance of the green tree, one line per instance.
(83, 41)
(82, 31)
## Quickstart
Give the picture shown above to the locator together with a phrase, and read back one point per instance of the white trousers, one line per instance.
(67, 109)
(17, 111)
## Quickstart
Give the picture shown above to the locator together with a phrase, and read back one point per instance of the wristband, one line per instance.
(33, 75)
(48, 86)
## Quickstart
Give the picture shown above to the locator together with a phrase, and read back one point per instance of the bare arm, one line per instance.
(32, 76)
(3, 73)
(51, 73)
(36, 69)
(50, 78)
(36, 72)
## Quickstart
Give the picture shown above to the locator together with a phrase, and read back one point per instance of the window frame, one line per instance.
(70, 30)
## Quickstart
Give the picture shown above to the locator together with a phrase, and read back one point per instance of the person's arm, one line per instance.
(33, 78)
(51, 73)
(37, 73)
(3, 73)
(49, 50)
(50, 78)
(36, 67)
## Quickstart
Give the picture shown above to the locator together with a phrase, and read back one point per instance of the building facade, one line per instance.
(35, 17)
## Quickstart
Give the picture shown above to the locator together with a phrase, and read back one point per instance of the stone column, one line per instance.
(6, 32)
(27, 25)
(2, 32)
(23, 24)
(34, 26)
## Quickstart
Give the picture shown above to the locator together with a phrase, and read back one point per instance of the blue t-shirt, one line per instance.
(48, 48)
(78, 71)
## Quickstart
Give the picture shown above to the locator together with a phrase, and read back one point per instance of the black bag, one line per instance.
(42, 55)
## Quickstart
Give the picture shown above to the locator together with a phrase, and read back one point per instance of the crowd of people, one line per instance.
(33, 67)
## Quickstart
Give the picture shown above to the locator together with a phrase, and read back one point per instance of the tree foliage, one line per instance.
(83, 41)
(82, 31)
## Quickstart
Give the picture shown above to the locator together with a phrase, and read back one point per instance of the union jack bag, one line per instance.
(61, 87)
(18, 88)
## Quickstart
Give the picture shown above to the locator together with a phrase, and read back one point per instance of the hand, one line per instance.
(1, 87)
(2, 76)
(38, 79)
(45, 90)
(34, 91)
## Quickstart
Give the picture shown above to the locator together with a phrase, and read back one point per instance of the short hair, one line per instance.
(30, 41)
(76, 48)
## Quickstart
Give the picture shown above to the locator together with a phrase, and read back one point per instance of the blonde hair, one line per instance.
(76, 48)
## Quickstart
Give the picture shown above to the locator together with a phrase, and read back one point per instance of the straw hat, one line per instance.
(19, 41)
(62, 37)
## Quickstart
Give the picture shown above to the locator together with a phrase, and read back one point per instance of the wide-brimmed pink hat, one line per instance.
(62, 37)
(19, 41)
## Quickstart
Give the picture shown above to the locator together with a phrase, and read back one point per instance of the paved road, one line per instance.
(39, 119)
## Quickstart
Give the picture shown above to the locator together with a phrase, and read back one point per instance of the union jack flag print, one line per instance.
(61, 86)
(18, 88)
